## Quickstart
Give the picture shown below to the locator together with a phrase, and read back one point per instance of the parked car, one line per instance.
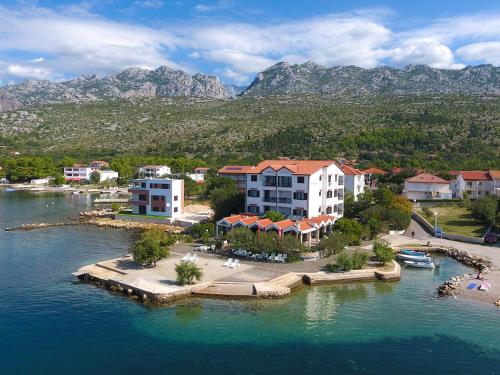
(491, 238)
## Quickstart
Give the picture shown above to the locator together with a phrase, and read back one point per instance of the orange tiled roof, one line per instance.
(234, 219)
(302, 226)
(250, 220)
(494, 174)
(300, 167)
(283, 224)
(348, 170)
(264, 223)
(426, 178)
(374, 171)
(475, 175)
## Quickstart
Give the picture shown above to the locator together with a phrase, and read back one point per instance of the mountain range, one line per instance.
(280, 79)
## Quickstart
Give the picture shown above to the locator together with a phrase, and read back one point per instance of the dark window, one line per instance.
(300, 179)
(155, 209)
(176, 209)
(143, 197)
(253, 209)
(176, 197)
(253, 193)
(285, 181)
(319, 193)
(143, 185)
(165, 186)
(329, 194)
(300, 195)
(329, 210)
(253, 177)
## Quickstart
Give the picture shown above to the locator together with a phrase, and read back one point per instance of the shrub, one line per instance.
(116, 207)
(274, 216)
(187, 272)
(427, 211)
(485, 209)
(242, 238)
(344, 261)
(359, 259)
(334, 243)
(331, 267)
(383, 252)
(350, 228)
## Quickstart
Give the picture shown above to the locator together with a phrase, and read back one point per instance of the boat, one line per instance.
(416, 258)
(428, 265)
(413, 253)
(10, 190)
(75, 192)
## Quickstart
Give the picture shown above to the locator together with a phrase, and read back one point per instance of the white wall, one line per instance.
(418, 191)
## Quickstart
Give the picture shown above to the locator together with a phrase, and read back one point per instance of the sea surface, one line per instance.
(51, 324)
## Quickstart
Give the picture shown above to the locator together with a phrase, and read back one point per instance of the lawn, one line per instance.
(456, 219)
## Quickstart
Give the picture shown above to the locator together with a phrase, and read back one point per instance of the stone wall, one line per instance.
(429, 228)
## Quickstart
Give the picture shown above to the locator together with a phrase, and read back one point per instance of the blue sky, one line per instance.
(236, 39)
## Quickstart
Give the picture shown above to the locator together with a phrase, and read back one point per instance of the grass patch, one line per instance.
(456, 219)
(145, 216)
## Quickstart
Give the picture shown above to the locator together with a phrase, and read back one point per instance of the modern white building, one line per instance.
(354, 181)
(81, 173)
(163, 197)
(154, 171)
(296, 188)
(427, 186)
(107, 175)
(478, 184)
(77, 173)
(199, 178)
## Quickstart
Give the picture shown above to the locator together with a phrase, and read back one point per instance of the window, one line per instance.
(155, 197)
(143, 197)
(341, 180)
(329, 178)
(336, 178)
(300, 195)
(269, 180)
(329, 194)
(143, 185)
(253, 177)
(319, 209)
(285, 181)
(320, 177)
(300, 179)
(319, 193)
(165, 186)
(335, 208)
(254, 193)
(335, 193)
(155, 209)
(329, 210)
(267, 208)
(176, 209)
(253, 209)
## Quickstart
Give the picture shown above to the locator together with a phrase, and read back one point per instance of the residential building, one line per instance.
(427, 186)
(99, 164)
(199, 178)
(162, 197)
(296, 188)
(238, 173)
(154, 171)
(81, 173)
(202, 170)
(41, 181)
(478, 184)
(77, 173)
(4, 181)
(107, 175)
(354, 181)
(372, 173)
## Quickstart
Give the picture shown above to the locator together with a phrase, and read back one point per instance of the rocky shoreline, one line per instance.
(101, 218)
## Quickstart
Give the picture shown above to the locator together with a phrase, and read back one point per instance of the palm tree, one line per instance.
(187, 272)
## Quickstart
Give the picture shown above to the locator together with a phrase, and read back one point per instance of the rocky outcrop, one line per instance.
(311, 78)
(131, 83)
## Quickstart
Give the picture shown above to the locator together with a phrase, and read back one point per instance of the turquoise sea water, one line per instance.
(51, 324)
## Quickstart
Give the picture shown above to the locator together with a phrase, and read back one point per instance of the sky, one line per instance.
(235, 39)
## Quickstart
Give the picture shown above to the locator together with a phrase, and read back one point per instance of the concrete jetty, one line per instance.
(250, 280)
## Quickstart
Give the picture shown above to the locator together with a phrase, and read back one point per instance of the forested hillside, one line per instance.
(439, 132)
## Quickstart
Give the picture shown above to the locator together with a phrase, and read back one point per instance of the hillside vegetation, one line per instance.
(438, 132)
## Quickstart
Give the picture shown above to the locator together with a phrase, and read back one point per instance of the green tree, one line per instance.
(344, 261)
(266, 241)
(201, 230)
(485, 209)
(383, 196)
(226, 200)
(289, 244)
(152, 246)
(242, 238)
(359, 260)
(374, 227)
(383, 252)
(334, 243)
(58, 180)
(350, 228)
(95, 178)
(274, 216)
(187, 272)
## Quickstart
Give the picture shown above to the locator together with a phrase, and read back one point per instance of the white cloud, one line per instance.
(487, 51)
(153, 4)
(219, 5)
(235, 76)
(24, 71)
(424, 51)
(37, 60)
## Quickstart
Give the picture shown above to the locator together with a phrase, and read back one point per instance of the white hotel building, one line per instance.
(296, 188)
(162, 197)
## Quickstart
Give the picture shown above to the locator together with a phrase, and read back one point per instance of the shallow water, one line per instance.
(51, 324)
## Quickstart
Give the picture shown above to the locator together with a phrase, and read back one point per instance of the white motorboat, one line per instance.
(428, 265)
(416, 258)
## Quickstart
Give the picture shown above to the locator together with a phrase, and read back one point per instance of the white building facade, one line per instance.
(107, 175)
(154, 171)
(77, 173)
(157, 197)
(354, 181)
(295, 188)
(427, 186)
(478, 184)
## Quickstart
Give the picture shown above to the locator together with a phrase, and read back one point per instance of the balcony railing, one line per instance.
(285, 200)
(270, 199)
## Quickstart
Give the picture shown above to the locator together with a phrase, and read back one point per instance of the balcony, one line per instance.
(285, 200)
(270, 199)
(138, 203)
